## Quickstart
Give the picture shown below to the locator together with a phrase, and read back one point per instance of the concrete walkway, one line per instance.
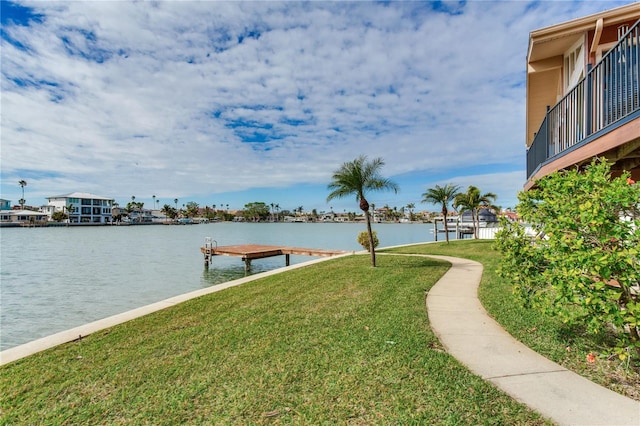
(476, 340)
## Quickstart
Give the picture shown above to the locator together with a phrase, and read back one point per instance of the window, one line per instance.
(86, 210)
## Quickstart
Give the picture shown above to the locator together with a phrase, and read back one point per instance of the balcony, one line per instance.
(602, 102)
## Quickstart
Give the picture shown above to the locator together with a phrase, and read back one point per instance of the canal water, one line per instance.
(56, 278)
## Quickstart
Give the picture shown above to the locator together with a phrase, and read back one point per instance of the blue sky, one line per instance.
(235, 102)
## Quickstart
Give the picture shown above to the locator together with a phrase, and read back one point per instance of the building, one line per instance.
(82, 207)
(583, 94)
(22, 218)
(5, 204)
(486, 217)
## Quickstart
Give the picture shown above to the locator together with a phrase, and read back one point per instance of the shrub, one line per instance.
(584, 266)
(363, 240)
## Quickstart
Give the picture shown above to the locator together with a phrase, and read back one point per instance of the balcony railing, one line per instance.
(606, 98)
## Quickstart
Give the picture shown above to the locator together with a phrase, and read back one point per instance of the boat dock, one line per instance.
(249, 252)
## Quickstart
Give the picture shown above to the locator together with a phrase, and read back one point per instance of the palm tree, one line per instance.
(22, 184)
(472, 201)
(442, 195)
(359, 177)
(411, 206)
(154, 201)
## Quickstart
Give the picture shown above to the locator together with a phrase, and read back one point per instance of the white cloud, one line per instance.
(122, 98)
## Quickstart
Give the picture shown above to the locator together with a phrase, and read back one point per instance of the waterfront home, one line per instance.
(22, 218)
(583, 94)
(82, 207)
(486, 218)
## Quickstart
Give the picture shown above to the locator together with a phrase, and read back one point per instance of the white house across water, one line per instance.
(82, 207)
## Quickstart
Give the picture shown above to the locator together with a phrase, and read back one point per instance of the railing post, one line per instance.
(547, 136)
(589, 102)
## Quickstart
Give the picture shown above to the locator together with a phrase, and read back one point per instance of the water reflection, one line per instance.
(212, 275)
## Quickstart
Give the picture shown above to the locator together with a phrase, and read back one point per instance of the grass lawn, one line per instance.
(546, 335)
(337, 342)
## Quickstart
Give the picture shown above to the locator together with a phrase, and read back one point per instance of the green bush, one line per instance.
(363, 240)
(584, 263)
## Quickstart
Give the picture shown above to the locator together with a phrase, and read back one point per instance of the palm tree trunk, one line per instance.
(372, 248)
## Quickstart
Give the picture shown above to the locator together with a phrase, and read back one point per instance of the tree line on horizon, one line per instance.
(352, 178)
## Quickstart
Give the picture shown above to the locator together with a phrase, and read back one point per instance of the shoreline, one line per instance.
(78, 333)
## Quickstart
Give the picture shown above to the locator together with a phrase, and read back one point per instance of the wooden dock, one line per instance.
(249, 252)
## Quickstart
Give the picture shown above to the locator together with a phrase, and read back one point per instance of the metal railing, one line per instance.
(607, 95)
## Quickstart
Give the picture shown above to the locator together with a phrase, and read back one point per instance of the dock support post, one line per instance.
(435, 229)
(247, 265)
(286, 261)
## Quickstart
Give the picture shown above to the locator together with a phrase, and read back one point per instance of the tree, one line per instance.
(411, 206)
(473, 201)
(22, 184)
(192, 209)
(169, 211)
(256, 211)
(585, 267)
(59, 216)
(359, 177)
(133, 206)
(442, 195)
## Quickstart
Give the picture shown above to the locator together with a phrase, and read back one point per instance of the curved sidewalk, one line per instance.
(476, 340)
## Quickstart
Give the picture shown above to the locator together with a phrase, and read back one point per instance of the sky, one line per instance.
(230, 103)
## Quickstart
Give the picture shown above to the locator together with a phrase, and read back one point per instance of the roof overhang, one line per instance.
(556, 39)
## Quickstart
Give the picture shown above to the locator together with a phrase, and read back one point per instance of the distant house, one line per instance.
(5, 204)
(82, 207)
(583, 94)
(486, 217)
(22, 217)
(511, 216)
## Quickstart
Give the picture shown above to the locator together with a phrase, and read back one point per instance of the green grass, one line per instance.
(336, 342)
(546, 335)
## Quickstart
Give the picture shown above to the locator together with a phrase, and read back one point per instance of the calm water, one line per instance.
(53, 279)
